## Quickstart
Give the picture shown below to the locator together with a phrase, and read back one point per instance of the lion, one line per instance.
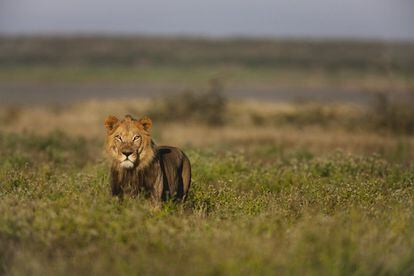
(140, 166)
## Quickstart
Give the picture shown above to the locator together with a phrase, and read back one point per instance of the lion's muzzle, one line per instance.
(128, 159)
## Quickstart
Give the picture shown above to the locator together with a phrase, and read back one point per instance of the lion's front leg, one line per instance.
(157, 188)
(116, 188)
(154, 182)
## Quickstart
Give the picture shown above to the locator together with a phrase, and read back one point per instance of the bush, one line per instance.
(207, 107)
(393, 115)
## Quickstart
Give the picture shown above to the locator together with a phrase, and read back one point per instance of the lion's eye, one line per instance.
(137, 137)
(118, 137)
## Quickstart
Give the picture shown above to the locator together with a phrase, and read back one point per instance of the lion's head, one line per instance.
(129, 141)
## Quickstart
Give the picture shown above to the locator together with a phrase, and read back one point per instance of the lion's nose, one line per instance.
(127, 152)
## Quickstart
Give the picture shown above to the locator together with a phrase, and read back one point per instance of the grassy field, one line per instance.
(290, 198)
(290, 188)
(369, 65)
(197, 77)
(131, 51)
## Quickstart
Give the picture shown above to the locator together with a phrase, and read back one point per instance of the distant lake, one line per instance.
(381, 19)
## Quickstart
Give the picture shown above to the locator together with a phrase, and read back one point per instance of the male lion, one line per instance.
(138, 165)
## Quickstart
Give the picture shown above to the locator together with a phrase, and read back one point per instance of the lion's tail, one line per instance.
(186, 175)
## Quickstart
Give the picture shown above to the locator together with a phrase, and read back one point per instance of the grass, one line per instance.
(299, 188)
(198, 76)
(329, 214)
(328, 55)
(367, 65)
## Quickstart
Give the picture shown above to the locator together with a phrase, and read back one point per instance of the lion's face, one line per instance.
(128, 140)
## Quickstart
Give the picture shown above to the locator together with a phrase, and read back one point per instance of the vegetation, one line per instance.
(209, 107)
(132, 51)
(332, 214)
(393, 114)
(281, 63)
(278, 188)
(293, 196)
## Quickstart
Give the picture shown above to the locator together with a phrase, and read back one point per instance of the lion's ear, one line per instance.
(110, 122)
(146, 123)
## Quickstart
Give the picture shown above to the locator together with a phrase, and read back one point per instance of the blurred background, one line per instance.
(322, 75)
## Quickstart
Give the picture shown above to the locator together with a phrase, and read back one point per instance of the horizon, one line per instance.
(189, 37)
(383, 20)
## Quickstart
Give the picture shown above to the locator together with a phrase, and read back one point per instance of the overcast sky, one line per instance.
(383, 19)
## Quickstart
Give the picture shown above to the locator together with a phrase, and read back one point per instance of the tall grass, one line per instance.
(338, 214)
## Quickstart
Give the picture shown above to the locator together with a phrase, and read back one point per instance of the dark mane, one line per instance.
(167, 175)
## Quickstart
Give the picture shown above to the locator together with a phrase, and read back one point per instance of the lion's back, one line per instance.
(177, 170)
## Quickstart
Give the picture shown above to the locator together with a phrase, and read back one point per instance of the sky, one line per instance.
(368, 19)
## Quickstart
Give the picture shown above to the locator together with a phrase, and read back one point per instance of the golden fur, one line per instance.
(139, 165)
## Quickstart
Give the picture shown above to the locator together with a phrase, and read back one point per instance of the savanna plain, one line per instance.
(297, 187)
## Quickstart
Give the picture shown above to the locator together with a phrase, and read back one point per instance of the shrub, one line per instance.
(390, 114)
(207, 107)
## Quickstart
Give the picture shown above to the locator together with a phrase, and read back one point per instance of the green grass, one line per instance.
(197, 77)
(292, 63)
(301, 214)
(330, 55)
(107, 74)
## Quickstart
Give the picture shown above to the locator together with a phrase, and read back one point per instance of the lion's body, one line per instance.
(138, 165)
(168, 175)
